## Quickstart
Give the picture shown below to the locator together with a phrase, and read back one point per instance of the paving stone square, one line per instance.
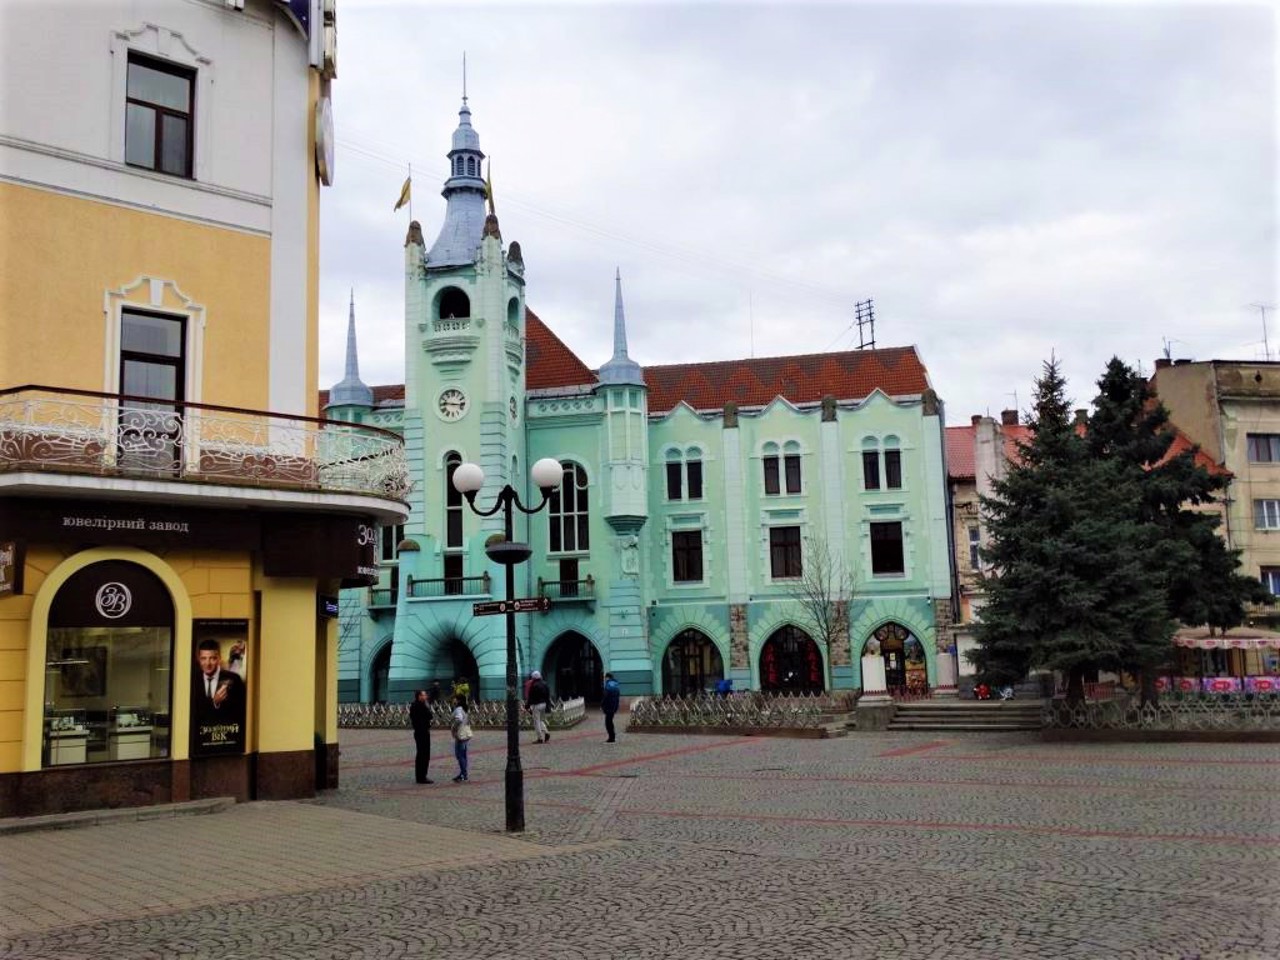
(886, 845)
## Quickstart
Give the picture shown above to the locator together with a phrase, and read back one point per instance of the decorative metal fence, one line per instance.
(747, 709)
(485, 714)
(1234, 712)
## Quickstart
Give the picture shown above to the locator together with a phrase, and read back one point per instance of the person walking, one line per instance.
(612, 695)
(538, 702)
(420, 719)
(461, 728)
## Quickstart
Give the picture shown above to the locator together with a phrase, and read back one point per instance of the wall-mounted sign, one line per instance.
(8, 568)
(327, 607)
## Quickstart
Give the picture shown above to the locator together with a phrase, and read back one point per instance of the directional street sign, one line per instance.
(489, 608)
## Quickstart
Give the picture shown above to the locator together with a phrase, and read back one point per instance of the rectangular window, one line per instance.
(569, 577)
(452, 574)
(1266, 514)
(694, 468)
(1264, 447)
(784, 552)
(686, 556)
(886, 548)
(871, 470)
(975, 538)
(152, 369)
(674, 488)
(771, 484)
(158, 116)
(1271, 579)
(391, 537)
(792, 462)
(893, 469)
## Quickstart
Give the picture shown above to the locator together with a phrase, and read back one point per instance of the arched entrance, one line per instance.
(572, 668)
(457, 662)
(790, 662)
(692, 664)
(380, 674)
(905, 670)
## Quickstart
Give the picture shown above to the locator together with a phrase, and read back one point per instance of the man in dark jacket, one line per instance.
(537, 700)
(612, 695)
(420, 718)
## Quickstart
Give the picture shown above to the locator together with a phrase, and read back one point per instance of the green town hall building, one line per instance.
(697, 499)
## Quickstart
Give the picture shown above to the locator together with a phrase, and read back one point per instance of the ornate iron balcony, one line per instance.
(52, 430)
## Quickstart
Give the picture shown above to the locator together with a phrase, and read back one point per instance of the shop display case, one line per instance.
(67, 736)
(129, 733)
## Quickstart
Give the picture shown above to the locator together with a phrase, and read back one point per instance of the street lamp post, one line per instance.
(468, 478)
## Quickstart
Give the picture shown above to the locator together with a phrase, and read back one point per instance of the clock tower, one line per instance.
(464, 391)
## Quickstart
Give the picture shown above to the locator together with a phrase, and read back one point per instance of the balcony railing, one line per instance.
(567, 590)
(449, 587)
(382, 597)
(49, 429)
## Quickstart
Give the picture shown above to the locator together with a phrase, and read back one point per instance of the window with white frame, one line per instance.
(1266, 514)
(1263, 447)
(1271, 580)
(159, 116)
(391, 538)
(569, 526)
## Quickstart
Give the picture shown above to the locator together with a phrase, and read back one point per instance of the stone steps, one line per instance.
(941, 716)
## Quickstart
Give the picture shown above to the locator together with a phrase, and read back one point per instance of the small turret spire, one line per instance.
(620, 369)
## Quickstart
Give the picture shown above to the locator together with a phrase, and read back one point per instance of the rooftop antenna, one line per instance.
(1015, 399)
(864, 315)
(1263, 308)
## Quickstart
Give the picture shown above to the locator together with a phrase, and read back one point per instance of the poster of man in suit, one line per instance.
(218, 689)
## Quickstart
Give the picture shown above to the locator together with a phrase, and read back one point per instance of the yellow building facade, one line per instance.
(175, 520)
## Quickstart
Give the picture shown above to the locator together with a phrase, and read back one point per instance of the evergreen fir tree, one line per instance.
(1068, 589)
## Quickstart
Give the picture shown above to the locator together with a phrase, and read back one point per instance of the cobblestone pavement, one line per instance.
(886, 845)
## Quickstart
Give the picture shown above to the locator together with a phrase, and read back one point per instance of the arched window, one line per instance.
(790, 662)
(457, 166)
(453, 303)
(781, 472)
(684, 474)
(569, 526)
(881, 467)
(772, 476)
(471, 166)
(791, 466)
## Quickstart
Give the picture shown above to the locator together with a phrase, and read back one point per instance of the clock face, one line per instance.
(452, 404)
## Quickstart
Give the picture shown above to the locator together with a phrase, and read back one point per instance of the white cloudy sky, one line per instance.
(1006, 181)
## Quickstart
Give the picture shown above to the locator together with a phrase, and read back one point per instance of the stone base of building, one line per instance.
(874, 715)
(293, 775)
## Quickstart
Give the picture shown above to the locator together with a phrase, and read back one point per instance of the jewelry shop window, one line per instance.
(108, 667)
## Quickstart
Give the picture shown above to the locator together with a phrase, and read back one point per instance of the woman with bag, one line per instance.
(461, 735)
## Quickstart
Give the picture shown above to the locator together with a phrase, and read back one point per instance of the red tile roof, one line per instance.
(381, 394)
(1182, 443)
(850, 375)
(549, 363)
(960, 453)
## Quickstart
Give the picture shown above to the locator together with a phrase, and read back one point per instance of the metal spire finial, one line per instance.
(464, 76)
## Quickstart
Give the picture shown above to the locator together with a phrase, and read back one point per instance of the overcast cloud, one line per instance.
(1005, 181)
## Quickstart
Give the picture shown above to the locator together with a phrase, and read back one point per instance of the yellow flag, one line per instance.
(488, 186)
(404, 194)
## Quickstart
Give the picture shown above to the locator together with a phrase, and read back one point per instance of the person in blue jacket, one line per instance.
(612, 694)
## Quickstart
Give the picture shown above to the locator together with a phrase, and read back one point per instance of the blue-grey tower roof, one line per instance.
(465, 192)
(351, 390)
(621, 368)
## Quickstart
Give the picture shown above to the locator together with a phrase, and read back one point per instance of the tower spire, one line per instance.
(351, 390)
(459, 239)
(621, 368)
